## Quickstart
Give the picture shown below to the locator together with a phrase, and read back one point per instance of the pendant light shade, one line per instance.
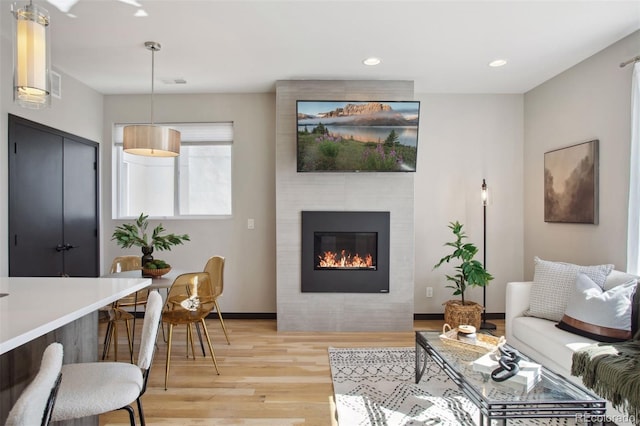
(31, 81)
(151, 141)
(148, 139)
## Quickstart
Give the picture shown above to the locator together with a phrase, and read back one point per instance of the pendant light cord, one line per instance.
(153, 57)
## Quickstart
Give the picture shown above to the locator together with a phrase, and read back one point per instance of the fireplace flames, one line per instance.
(345, 260)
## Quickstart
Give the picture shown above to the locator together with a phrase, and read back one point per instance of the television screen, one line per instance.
(343, 136)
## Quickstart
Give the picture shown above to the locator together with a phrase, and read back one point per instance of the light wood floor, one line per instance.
(266, 377)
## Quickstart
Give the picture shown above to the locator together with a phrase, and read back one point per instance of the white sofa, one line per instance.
(543, 342)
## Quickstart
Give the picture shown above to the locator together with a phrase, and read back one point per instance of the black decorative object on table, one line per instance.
(146, 255)
(508, 365)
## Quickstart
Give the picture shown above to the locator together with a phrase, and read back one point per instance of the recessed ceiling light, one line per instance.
(371, 61)
(141, 13)
(498, 63)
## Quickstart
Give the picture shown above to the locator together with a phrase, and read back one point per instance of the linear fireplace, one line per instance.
(345, 252)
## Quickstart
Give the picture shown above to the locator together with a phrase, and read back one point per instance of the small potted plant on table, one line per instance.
(135, 234)
(470, 273)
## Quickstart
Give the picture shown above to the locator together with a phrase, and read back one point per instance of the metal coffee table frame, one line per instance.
(553, 396)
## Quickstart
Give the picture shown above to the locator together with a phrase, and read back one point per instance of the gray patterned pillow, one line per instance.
(553, 282)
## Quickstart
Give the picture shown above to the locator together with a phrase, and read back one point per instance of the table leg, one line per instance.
(421, 361)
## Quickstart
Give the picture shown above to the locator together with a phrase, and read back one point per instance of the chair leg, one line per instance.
(224, 329)
(107, 340)
(114, 338)
(140, 412)
(166, 371)
(129, 339)
(213, 354)
(190, 341)
(200, 338)
(132, 417)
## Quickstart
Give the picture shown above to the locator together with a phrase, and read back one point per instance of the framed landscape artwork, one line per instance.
(571, 184)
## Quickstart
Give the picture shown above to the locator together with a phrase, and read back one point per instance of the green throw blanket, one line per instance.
(612, 371)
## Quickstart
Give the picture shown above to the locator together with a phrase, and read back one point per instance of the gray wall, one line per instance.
(79, 111)
(463, 139)
(295, 192)
(250, 266)
(589, 101)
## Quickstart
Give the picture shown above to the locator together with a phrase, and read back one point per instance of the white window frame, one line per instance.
(222, 133)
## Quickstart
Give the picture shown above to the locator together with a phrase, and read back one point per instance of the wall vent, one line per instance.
(56, 84)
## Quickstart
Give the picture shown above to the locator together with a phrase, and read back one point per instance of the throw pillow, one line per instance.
(552, 283)
(597, 314)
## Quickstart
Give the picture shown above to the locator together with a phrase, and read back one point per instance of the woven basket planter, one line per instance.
(154, 272)
(455, 313)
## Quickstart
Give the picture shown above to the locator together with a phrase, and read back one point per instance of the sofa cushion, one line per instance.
(552, 283)
(616, 278)
(556, 344)
(600, 315)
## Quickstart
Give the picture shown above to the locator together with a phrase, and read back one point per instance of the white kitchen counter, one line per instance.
(37, 305)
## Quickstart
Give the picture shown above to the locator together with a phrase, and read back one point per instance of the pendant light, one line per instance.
(148, 139)
(31, 82)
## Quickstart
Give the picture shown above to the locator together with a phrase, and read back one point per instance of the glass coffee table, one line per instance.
(552, 396)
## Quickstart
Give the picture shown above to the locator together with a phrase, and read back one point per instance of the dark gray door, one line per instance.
(53, 218)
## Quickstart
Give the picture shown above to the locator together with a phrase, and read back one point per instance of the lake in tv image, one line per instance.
(344, 136)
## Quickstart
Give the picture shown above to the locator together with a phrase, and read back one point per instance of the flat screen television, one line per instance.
(356, 136)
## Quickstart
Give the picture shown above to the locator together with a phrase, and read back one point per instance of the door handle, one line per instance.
(61, 247)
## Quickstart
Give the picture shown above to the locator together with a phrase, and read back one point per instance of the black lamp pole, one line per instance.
(485, 325)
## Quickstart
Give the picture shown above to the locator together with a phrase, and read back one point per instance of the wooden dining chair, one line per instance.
(115, 314)
(189, 301)
(36, 402)
(215, 269)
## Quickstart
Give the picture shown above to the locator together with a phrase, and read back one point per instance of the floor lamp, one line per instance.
(485, 200)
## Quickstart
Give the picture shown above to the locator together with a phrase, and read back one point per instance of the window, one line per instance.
(195, 183)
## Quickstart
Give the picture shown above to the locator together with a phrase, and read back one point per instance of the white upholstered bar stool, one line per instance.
(36, 401)
(93, 388)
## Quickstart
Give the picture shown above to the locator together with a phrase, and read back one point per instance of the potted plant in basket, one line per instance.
(469, 273)
(135, 234)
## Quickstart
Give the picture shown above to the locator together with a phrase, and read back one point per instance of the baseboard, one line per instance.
(245, 315)
(234, 315)
(490, 316)
(273, 316)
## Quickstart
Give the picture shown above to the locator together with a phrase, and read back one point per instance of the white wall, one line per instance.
(78, 112)
(463, 139)
(589, 101)
(250, 266)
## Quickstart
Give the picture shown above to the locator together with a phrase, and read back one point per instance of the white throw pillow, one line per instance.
(552, 283)
(600, 315)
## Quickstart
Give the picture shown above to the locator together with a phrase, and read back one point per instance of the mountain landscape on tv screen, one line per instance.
(357, 136)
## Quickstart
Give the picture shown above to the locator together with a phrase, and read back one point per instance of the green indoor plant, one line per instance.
(469, 273)
(135, 234)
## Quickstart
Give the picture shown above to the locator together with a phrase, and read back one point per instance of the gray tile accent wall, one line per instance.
(296, 192)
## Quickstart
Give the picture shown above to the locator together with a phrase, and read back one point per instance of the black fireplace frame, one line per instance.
(345, 281)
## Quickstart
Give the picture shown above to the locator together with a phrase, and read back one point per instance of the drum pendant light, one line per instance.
(148, 139)
(31, 84)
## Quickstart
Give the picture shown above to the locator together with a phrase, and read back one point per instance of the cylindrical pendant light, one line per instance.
(148, 139)
(31, 81)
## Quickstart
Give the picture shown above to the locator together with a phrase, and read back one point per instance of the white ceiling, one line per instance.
(246, 46)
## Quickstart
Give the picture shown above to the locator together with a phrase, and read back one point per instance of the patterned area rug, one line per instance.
(376, 386)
